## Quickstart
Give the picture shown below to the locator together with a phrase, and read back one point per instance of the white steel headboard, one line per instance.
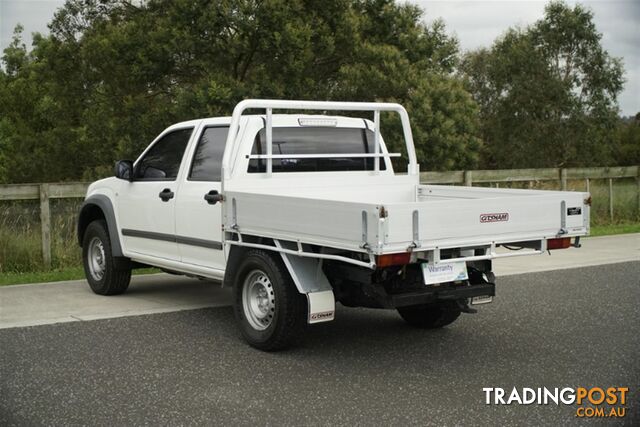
(274, 104)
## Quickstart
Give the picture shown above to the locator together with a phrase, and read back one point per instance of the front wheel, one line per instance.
(269, 309)
(431, 316)
(105, 276)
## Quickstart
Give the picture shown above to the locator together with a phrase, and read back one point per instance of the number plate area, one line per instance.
(444, 272)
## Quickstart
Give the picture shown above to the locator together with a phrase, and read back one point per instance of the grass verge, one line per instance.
(609, 229)
(70, 273)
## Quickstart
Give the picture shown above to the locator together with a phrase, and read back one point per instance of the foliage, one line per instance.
(547, 93)
(627, 142)
(112, 74)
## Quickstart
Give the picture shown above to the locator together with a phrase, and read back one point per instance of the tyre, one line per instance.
(430, 316)
(270, 311)
(104, 274)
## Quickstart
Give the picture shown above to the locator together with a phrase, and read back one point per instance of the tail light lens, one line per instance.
(393, 259)
(561, 243)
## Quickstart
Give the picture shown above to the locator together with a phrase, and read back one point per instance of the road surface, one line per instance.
(565, 328)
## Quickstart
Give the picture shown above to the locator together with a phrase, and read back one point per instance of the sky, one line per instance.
(476, 23)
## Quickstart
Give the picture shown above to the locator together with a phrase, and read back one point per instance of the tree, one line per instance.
(112, 74)
(547, 93)
(626, 147)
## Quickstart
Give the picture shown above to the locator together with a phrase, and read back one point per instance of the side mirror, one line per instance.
(124, 169)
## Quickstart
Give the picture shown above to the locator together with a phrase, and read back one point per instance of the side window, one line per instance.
(207, 160)
(162, 161)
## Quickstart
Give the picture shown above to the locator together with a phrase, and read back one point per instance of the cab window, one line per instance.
(207, 160)
(162, 161)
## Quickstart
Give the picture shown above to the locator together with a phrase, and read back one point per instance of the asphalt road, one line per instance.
(565, 328)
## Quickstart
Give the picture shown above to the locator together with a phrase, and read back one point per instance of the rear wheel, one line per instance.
(269, 309)
(431, 316)
(104, 274)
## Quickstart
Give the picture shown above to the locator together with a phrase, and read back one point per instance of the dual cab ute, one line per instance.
(297, 212)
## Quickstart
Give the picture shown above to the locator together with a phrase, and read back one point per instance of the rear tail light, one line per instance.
(561, 243)
(393, 259)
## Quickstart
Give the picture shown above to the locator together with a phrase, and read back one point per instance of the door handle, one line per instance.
(213, 197)
(166, 194)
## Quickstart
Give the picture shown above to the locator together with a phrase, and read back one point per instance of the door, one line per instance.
(146, 206)
(198, 212)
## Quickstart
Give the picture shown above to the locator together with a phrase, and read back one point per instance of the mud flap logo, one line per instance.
(494, 217)
(323, 316)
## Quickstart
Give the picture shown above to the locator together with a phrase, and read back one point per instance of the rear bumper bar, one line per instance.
(435, 293)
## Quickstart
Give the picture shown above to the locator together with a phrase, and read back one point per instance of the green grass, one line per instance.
(15, 278)
(605, 230)
(70, 273)
(20, 244)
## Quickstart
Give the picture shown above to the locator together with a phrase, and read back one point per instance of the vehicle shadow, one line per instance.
(363, 338)
(178, 290)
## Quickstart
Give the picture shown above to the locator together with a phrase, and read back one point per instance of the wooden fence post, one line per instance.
(611, 199)
(468, 178)
(45, 224)
(563, 179)
(638, 192)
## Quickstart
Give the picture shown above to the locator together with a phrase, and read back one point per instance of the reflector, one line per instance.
(393, 259)
(561, 243)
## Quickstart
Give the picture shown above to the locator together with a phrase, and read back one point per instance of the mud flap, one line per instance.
(310, 280)
(322, 306)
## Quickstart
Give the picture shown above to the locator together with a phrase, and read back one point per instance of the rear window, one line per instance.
(315, 140)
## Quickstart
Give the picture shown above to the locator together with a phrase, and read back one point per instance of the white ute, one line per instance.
(296, 212)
